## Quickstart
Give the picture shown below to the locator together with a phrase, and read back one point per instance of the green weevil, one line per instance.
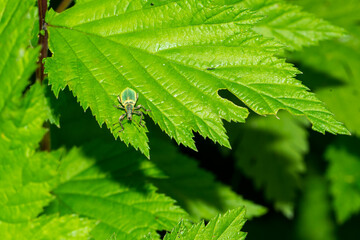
(127, 99)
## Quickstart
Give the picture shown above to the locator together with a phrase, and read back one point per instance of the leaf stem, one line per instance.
(43, 40)
(40, 75)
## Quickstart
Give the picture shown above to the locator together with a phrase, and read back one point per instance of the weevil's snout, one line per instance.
(129, 117)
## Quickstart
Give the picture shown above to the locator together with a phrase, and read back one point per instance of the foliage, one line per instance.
(344, 174)
(221, 227)
(166, 59)
(194, 63)
(95, 185)
(196, 190)
(26, 176)
(333, 67)
(315, 222)
(289, 25)
(277, 167)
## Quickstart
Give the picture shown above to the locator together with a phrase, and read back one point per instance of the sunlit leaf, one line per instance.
(176, 55)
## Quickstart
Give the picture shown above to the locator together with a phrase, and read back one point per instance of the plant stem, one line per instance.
(63, 5)
(40, 75)
(43, 40)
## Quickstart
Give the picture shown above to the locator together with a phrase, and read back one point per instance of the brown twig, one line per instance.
(43, 40)
(63, 5)
(45, 144)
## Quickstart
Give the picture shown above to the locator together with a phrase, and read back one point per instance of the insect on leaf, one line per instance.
(165, 53)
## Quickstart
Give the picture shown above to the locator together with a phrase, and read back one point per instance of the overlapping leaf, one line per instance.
(195, 189)
(23, 195)
(344, 174)
(17, 61)
(335, 74)
(108, 183)
(277, 167)
(314, 216)
(289, 25)
(342, 13)
(176, 55)
(26, 177)
(68, 227)
(223, 227)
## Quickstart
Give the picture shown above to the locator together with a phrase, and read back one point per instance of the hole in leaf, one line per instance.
(224, 93)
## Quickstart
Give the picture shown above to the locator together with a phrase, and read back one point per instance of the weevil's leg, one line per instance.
(119, 107)
(120, 119)
(141, 106)
(141, 116)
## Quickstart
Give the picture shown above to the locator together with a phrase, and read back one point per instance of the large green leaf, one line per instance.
(289, 25)
(26, 176)
(68, 227)
(314, 216)
(23, 194)
(105, 182)
(277, 168)
(344, 174)
(223, 227)
(336, 60)
(176, 55)
(18, 60)
(342, 94)
(342, 13)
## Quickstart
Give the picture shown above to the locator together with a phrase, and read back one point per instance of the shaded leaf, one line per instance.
(342, 64)
(290, 25)
(194, 188)
(314, 216)
(277, 168)
(105, 182)
(344, 174)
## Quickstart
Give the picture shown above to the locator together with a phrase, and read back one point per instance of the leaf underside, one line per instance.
(177, 56)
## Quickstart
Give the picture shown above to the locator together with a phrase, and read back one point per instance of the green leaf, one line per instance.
(314, 214)
(68, 227)
(335, 75)
(22, 119)
(289, 25)
(277, 168)
(107, 183)
(223, 227)
(344, 174)
(23, 194)
(26, 176)
(194, 188)
(342, 65)
(341, 13)
(176, 56)
(18, 60)
(25, 183)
